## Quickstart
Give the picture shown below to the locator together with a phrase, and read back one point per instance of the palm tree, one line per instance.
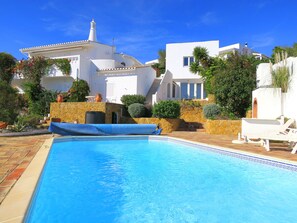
(201, 60)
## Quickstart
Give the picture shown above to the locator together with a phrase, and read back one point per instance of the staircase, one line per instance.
(191, 126)
(152, 90)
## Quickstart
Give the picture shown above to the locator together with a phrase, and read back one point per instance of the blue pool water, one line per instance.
(158, 181)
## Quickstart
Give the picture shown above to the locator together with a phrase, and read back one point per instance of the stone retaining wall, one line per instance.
(167, 124)
(223, 127)
(192, 114)
(75, 111)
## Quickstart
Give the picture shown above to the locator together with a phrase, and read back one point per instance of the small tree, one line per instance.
(206, 66)
(7, 64)
(8, 103)
(130, 99)
(166, 109)
(290, 51)
(160, 67)
(234, 83)
(34, 69)
(78, 91)
(39, 99)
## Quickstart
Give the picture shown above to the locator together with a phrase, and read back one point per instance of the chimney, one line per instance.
(92, 35)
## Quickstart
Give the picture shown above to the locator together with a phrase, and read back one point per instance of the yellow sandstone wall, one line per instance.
(72, 111)
(223, 127)
(193, 114)
(249, 114)
(167, 124)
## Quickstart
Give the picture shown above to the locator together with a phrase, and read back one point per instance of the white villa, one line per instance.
(107, 72)
(178, 82)
(115, 74)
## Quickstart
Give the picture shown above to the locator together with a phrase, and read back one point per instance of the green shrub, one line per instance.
(63, 65)
(226, 115)
(18, 126)
(78, 91)
(8, 103)
(137, 110)
(33, 69)
(132, 99)
(30, 120)
(190, 104)
(7, 63)
(166, 109)
(211, 111)
(39, 99)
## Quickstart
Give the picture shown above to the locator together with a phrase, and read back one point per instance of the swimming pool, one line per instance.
(149, 179)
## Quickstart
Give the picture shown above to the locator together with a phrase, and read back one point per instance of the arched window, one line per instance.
(255, 108)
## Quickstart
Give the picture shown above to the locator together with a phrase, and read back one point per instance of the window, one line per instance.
(192, 91)
(198, 93)
(173, 90)
(188, 61)
(184, 90)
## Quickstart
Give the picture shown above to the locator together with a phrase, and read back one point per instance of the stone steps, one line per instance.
(191, 126)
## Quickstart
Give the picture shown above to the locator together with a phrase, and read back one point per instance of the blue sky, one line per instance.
(140, 28)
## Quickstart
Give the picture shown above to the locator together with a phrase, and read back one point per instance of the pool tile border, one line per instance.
(284, 164)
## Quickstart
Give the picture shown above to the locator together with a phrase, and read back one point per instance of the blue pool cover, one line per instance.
(67, 129)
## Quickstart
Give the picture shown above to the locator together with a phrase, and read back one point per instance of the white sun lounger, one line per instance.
(289, 135)
(253, 130)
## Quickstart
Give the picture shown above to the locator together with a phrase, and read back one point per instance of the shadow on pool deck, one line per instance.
(16, 153)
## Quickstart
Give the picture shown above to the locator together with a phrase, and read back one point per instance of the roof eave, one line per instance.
(52, 47)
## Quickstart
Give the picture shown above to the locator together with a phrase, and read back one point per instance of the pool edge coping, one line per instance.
(8, 211)
(15, 204)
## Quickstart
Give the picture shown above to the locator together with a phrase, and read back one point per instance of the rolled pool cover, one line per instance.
(71, 129)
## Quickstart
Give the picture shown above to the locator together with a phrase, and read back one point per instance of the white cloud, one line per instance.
(262, 40)
(76, 27)
(209, 18)
(49, 5)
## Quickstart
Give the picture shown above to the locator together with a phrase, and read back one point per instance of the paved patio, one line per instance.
(17, 152)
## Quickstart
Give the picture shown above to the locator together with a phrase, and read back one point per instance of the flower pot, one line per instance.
(3, 125)
(60, 98)
(98, 98)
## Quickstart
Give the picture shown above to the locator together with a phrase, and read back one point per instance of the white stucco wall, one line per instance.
(128, 60)
(122, 85)
(113, 86)
(269, 102)
(263, 75)
(104, 63)
(237, 47)
(175, 52)
(135, 81)
(289, 98)
(161, 93)
(73, 54)
(145, 79)
(229, 48)
(59, 84)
